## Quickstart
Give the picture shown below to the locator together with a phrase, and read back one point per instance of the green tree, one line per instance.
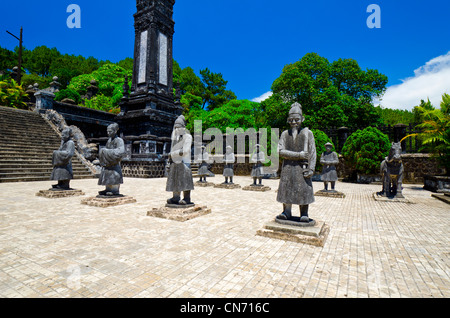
(316, 84)
(8, 59)
(365, 149)
(395, 116)
(214, 92)
(435, 126)
(39, 60)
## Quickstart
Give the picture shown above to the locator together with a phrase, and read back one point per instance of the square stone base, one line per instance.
(179, 213)
(388, 199)
(313, 235)
(227, 186)
(204, 184)
(56, 194)
(330, 193)
(256, 188)
(443, 197)
(105, 202)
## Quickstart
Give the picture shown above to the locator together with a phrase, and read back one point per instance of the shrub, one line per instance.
(365, 149)
(12, 94)
(68, 93)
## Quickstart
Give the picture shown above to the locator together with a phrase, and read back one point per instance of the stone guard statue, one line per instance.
(329, 159)
(229, 160)
(110, 158)
(258, 158)
(392, 173)
(62, 161)
(298, 150)
(180, 175)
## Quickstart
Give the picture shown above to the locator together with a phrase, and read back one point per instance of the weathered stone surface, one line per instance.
(56, 194)
(104, 202)
(313, 235)
(179, 213)
(227, 186)
(390, 199)
(443, 197)
(256, 188)
(204, 184)
(330, 193)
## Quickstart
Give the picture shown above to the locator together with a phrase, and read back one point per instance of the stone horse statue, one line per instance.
(392, 173)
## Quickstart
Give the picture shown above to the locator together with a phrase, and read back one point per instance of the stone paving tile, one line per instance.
(61, 248)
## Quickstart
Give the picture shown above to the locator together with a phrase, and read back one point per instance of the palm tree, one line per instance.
(435, 131)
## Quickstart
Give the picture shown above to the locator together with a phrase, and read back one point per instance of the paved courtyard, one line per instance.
(61, 248)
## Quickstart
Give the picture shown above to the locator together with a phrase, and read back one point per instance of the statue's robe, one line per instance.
(229, 160)
(203, 159)
(110, 158)
(258, 169)
(62, 161)
(294, 188)
(180, 175)
(329, 162)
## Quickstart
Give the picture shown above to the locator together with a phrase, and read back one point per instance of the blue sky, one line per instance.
(249, 41)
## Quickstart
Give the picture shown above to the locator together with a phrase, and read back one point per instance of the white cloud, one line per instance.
(430, 81)
(262, 97)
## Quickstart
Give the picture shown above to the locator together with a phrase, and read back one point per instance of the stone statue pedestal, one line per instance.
(330, 193)
(256, 188)
(103, 201)
(204, 184)
(390, 199)
(56, 194)
(313, 233)
(227, 186)
(179, 213)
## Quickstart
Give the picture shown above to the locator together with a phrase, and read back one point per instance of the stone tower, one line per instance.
(150, 108)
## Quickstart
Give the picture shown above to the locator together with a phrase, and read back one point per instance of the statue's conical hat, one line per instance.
(296, 108)
(181, 121)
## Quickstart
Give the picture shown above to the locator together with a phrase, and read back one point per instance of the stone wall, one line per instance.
(415, 165)
(143, 169)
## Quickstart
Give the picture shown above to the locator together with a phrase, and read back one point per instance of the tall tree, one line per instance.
(332, 94)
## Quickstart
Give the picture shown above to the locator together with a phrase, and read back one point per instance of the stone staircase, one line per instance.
(27, 143)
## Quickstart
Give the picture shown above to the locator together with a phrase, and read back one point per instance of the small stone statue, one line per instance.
(180, 174)
(258, 159)
(110, 158)
(62, 161)
(228, 171)
(297, 148)
(329, 160)
(204, 161)
(392, 173)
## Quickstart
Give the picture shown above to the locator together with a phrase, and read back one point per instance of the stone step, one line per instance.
(43, 170)
(36, 178)
(37, 174)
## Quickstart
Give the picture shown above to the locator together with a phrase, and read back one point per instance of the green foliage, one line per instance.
(103, 103)
(320, 139)
(12, 94)
(68, 93)
(341, 88)
(234, 114)
(365, 149)
(110, 79)
(8, 59)
(395, 116)
(31, 79)
(435, 130)
(39, 60)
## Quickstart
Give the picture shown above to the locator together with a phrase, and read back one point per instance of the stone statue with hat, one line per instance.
(298, 151)
(179, 179)
(258, 158)
(329, 159)
(229, 160)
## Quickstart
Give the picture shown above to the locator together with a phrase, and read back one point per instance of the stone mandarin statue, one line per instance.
(204, 161)
(258, 159)
(329, 159)
(298, 150)
(180, 174)
(62, 161)
(229, 160)
(110, 158)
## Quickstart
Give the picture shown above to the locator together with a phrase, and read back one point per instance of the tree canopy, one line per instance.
(339, 93)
